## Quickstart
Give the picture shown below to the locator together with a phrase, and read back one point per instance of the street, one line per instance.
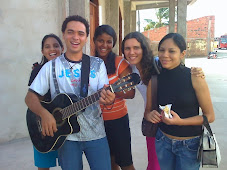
(221, 53)
(216, 77)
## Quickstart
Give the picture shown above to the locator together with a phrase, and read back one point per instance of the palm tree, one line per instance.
(162, 15)
(150, 25)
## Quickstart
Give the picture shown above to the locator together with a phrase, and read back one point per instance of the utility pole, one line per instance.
(138, 22)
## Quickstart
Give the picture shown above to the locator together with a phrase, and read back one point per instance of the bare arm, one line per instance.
(33, 102)
(47, 120)
(151, 115)
(203, 95)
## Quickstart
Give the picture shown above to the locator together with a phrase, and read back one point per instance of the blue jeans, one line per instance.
(96, 151)
(177, 154)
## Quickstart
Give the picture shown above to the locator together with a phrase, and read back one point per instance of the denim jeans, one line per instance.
(96, 151)
(177, 154)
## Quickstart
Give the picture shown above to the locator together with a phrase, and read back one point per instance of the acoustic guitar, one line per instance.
(65, 108)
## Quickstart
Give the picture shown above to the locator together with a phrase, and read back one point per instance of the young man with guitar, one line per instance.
(59, 127)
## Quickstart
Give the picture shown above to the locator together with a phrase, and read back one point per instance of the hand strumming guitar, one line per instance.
(48, 123)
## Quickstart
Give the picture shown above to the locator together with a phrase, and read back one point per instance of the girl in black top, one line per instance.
(136, 50)
(177, 139)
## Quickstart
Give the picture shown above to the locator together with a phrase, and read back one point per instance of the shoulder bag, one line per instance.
(208, 152)
(149, 129)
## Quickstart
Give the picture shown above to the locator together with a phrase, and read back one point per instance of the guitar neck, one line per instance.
(76, 107)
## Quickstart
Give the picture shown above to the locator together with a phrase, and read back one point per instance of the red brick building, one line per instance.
(200, 36)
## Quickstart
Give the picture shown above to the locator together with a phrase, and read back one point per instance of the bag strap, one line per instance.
(85, 70)
(207, 125)
(156, 65)
(54, 77)
(154, 89)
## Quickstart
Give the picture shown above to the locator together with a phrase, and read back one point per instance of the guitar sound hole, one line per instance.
(58, 117)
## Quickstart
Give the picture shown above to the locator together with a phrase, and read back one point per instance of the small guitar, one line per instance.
(64, 109)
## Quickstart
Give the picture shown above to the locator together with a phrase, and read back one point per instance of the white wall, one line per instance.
(102, 16)
(23, 24)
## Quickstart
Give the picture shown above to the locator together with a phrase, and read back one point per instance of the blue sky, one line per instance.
(199, 9)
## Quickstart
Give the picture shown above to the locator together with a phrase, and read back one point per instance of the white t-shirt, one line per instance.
(141, 86)
(91, 122)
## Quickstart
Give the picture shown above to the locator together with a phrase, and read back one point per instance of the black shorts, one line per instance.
(119, 139)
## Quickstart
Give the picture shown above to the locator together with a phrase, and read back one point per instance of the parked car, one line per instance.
(212, 55)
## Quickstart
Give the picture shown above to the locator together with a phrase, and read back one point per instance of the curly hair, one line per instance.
(147, 58)
(75, 18)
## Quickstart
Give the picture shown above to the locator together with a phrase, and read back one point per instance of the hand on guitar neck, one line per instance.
(107, 97)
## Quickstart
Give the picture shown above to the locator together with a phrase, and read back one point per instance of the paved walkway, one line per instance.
(18, 154)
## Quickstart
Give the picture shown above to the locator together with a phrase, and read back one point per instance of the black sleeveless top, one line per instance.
(175, 87)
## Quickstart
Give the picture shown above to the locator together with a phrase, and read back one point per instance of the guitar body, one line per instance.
(65, 127)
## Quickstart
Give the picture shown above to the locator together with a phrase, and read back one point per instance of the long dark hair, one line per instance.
(44, 59)
(110, 64)
(147, 58)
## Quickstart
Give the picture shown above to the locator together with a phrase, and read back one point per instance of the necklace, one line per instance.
(68, 61)
(71, 66)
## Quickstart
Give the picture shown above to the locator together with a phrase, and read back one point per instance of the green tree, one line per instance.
(162, 15)
(150, 25)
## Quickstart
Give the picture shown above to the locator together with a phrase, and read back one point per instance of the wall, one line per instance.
(200, 36)
(199, 32)
(22, 26)
(155, 36)
(102, 16)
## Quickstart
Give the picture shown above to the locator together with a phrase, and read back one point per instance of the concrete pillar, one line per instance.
(63, 9)
(209, 37)
(82, 8)
(112, 19)
(181, 20)
(181, 17)
(127, 17)
(133, 21)
(171, 16)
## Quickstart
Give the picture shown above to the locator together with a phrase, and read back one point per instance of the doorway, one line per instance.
(94, 22)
